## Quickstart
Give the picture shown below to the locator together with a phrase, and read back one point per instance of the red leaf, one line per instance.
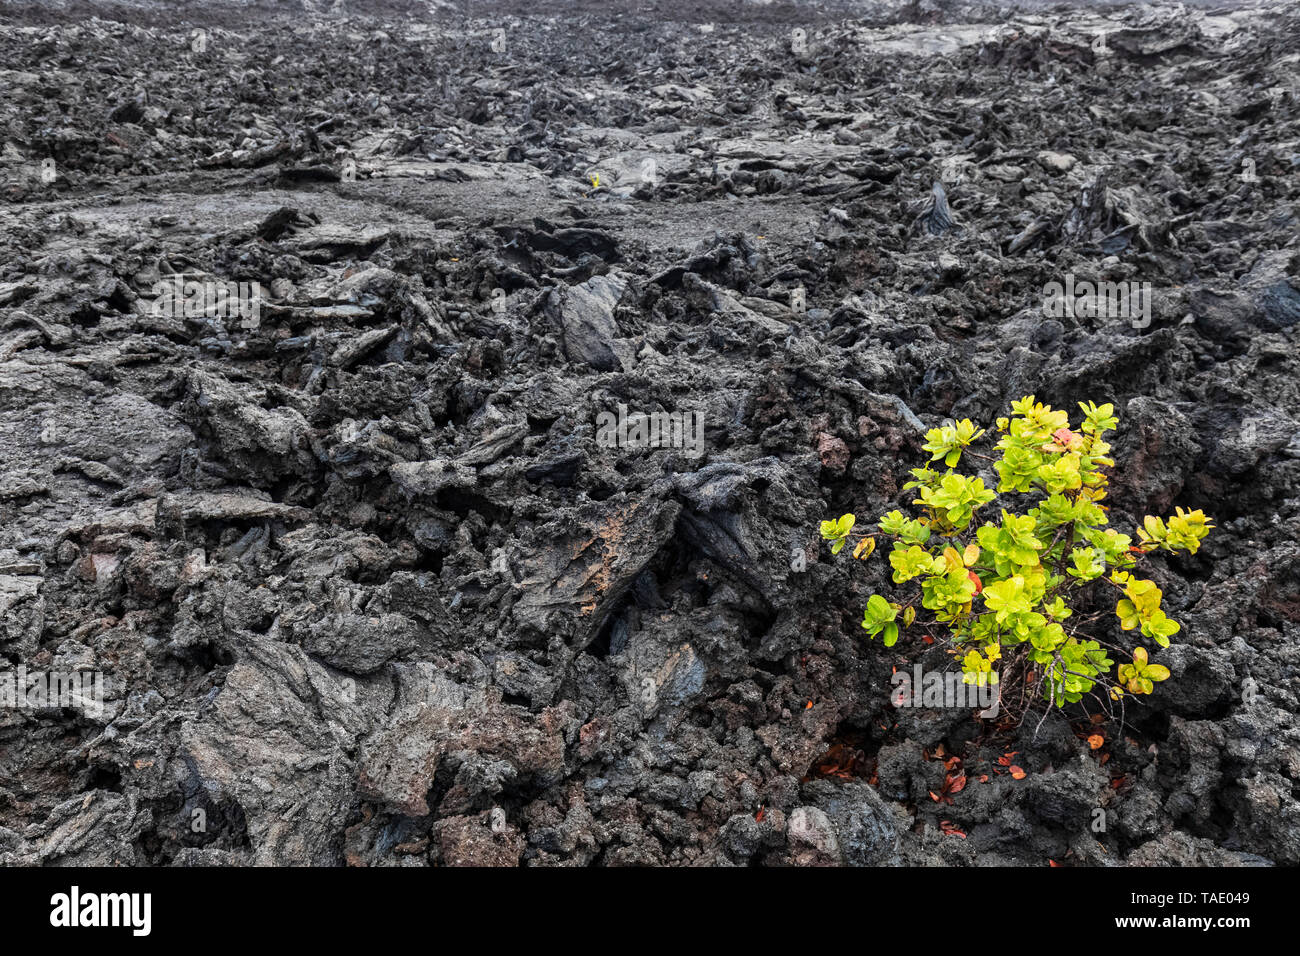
(979, 585)
(958, 784)
(759, 816)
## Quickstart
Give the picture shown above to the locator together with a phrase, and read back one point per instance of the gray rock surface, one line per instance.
(368, 583)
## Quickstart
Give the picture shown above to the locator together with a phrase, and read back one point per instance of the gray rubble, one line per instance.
(370, 582)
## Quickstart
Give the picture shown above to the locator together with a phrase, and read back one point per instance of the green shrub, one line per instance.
(1001, 586)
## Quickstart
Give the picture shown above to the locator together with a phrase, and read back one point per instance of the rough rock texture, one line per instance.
(364, 586)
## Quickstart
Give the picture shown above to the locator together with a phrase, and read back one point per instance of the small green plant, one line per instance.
(1002, 585)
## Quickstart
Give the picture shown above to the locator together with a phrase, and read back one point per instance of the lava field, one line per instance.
(420, 416)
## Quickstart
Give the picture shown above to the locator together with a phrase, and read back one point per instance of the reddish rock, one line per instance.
(833, 452)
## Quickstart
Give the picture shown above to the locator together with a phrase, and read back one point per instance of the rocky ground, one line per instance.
(363, 584)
